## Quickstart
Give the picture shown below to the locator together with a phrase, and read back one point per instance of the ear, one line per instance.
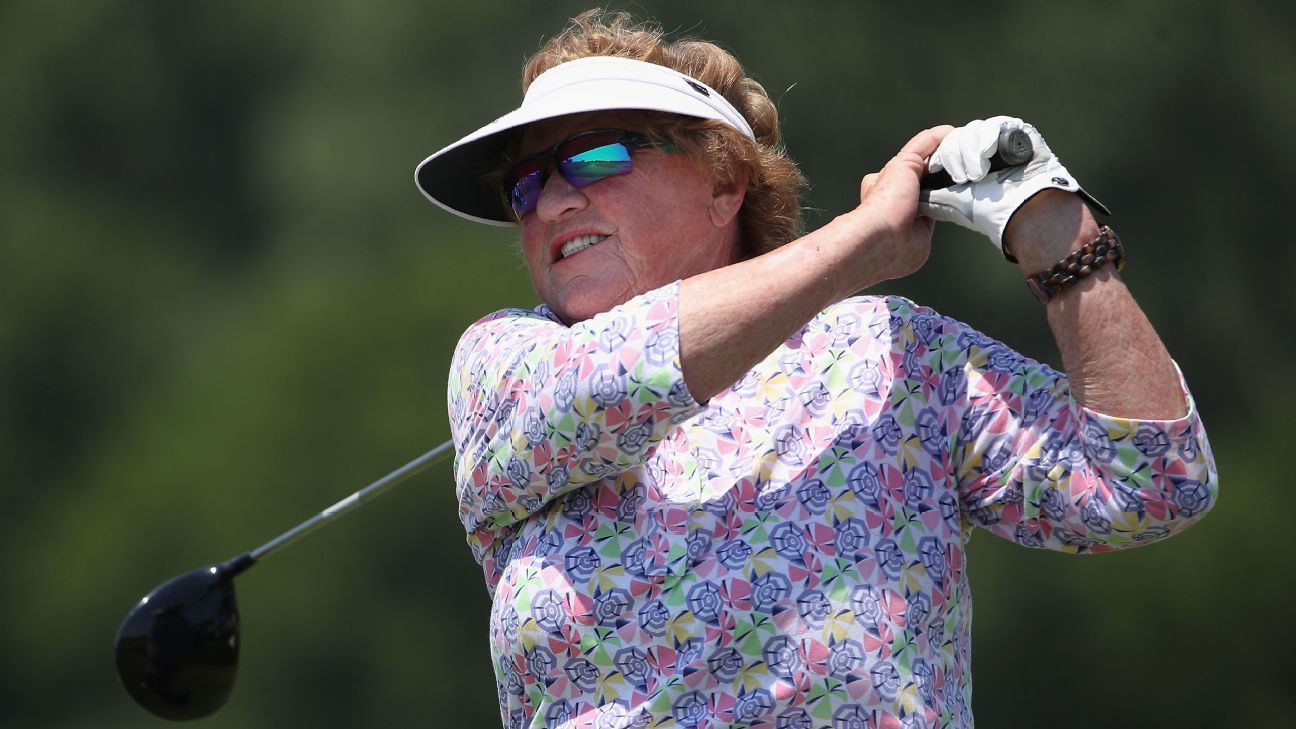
(727, 199)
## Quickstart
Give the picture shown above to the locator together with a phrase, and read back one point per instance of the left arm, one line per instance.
(1114, 453)
(1113, 357)
(1035, 466)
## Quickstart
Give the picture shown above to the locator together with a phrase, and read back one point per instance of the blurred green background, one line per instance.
(225, 306)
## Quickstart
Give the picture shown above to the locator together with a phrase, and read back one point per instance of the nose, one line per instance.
(559, 198)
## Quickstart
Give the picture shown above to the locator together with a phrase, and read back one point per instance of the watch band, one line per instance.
(1105, 248)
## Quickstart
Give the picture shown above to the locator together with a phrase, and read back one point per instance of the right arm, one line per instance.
(733, 317)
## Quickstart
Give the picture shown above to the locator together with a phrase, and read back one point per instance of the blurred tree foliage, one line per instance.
(225, 306)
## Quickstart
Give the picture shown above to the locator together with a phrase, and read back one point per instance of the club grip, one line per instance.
(1014, 148)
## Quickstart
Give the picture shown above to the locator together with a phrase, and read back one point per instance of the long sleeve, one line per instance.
(538, 409)
(1036, 467)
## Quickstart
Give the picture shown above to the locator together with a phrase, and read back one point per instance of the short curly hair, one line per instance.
(771, 213)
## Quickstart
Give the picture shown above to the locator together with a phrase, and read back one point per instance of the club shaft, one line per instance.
(414, 467)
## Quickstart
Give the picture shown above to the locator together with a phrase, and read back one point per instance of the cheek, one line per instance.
(532, 242)
(676, 213)
(686, 198)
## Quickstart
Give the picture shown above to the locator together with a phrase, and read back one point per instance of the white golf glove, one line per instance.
(986, 202)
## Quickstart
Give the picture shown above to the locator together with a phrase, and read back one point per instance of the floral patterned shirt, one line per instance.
(792, 553)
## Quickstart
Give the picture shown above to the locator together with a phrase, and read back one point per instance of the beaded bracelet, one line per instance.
(1095, 254)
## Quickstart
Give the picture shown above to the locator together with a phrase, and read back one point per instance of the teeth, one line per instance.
(580, 243)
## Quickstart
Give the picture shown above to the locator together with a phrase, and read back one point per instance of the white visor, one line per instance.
(452, 178)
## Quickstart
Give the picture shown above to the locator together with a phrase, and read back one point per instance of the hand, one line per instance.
(889, 206)
(983, 202)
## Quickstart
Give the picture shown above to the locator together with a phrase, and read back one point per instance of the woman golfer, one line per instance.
(708, 483)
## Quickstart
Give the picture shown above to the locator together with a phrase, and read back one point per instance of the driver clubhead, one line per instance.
(177, 650)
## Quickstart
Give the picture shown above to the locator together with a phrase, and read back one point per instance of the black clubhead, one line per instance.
(177, 651)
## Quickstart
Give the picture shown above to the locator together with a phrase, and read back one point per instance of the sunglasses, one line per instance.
(582, 159)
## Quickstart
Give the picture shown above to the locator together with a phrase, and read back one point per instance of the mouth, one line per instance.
(578, 244)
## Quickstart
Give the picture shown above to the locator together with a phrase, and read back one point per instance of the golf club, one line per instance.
(177, 650)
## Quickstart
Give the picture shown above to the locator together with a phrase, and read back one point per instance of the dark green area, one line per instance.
(225, 306)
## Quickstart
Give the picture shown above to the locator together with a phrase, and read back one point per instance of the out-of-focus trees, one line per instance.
(225, 306)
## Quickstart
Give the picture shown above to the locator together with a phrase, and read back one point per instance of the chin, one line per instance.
(574, 307)
(576, 314)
